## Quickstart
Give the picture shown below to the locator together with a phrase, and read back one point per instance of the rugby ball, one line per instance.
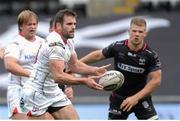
(112, 80)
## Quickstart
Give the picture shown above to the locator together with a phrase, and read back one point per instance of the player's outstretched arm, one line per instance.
(57, 67)
(93, 57)
(79, 67)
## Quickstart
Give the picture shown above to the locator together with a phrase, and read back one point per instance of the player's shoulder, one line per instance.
(151, 51)
(53, 36)
(117, 44)
(39, 38)
(54, 39)
(120, 42)
(16, 41)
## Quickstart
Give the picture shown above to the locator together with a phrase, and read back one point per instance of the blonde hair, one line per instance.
(24, 17)
(139, 21)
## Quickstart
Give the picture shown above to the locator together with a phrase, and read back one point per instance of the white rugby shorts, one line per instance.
(13, 99)
(36, 103)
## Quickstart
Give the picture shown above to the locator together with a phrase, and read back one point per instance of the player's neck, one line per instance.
(63, 38)
(135, 47)
(29, 38)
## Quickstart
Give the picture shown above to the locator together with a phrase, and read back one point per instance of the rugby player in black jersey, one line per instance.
(142, 70)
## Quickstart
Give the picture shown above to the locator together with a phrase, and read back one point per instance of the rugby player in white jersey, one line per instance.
(19, 57)
(41, 92)
(67, 89)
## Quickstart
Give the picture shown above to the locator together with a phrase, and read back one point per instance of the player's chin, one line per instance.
(71, 36)
(32, 33)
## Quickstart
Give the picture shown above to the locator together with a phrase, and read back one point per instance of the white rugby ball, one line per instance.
(112, 80)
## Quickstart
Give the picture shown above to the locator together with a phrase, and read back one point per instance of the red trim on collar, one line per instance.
(65, 41)
(143, 48)
(20, 33)
(126, 42)
(57, 31)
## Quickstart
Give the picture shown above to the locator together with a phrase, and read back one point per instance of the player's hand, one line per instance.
(91, 82)
(101, 70)
(69, 92)
(128, 103)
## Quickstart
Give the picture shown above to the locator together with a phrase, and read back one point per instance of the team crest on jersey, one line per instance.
(56, 44)
(142, 61)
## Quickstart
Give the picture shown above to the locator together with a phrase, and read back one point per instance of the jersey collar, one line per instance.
(143, 48)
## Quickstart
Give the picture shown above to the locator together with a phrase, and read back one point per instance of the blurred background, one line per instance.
(101, 22)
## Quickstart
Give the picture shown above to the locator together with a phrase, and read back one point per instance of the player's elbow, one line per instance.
(156, 78)
(158, 82)
(8, 66)
(98, 55)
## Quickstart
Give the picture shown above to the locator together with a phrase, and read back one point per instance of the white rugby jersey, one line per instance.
(54, 48)
(25, 52)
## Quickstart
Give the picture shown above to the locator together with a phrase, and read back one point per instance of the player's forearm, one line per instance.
(83, 68)
(92, 57)
(16, 69)
(68, 79)
(153, 83)
(148, 89)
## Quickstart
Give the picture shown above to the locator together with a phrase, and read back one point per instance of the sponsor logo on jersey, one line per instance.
(130, 68)
(132, 54)
(115, 111)
(56, 44)
(29, 57)
(145, 104)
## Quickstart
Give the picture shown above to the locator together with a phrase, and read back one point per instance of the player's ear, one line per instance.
(58, 26)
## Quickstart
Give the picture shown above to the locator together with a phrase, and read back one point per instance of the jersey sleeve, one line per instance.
(56, 52)
(12, 50)
(155, 63)
(108, 51)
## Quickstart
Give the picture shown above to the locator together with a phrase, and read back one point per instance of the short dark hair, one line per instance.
(51, 22)
(59, 17)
